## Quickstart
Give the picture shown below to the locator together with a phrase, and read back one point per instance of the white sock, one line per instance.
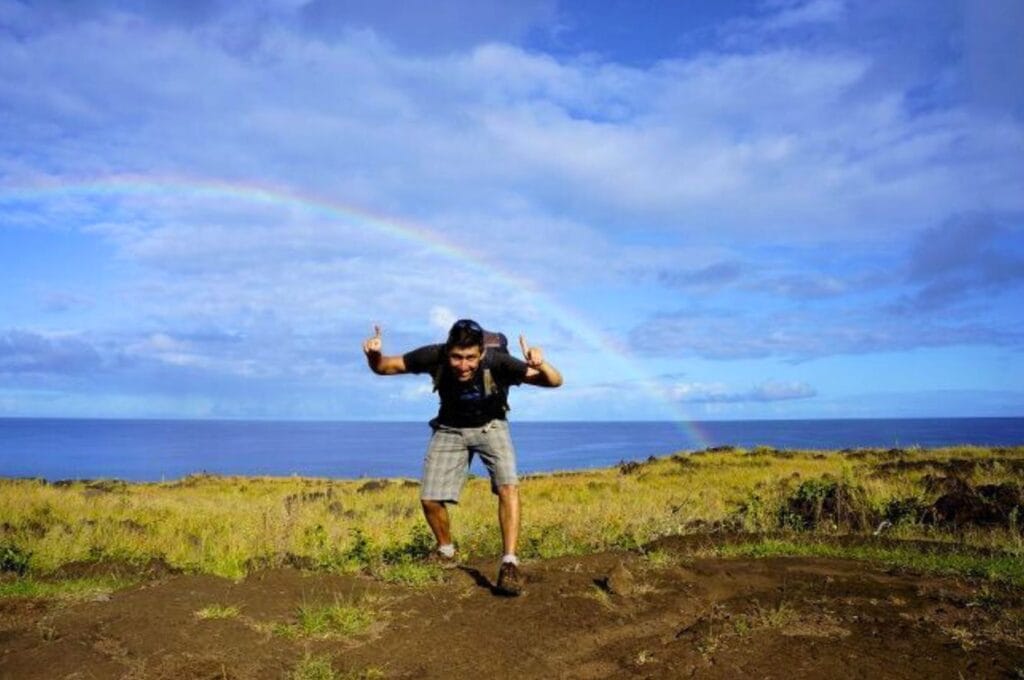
(510, 559)
(448, 550)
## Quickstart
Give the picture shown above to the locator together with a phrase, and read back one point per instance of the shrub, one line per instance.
(907, 510)
(419, 545)
(14, 559)
(629, 467)
(827, 502)
(749, 514)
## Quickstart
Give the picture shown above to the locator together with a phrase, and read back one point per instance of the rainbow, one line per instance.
(387, 225)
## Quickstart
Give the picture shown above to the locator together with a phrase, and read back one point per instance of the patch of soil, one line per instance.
(963, 505)
(612, 615)
(152, 569)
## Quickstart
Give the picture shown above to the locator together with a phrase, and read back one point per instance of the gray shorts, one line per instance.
(451, 450)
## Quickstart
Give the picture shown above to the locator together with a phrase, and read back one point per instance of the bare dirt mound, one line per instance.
(600, 616)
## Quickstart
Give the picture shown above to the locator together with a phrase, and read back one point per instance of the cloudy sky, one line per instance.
(727, 210)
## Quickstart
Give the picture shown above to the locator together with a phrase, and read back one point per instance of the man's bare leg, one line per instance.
(508, 516)
(437, 517)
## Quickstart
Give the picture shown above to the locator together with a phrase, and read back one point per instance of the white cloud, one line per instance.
(792, 15)
(721, 143)
(439, 26)
(804, 334)
(442, 318)
(768, 391)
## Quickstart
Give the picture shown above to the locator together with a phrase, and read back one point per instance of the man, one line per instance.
(472, 383)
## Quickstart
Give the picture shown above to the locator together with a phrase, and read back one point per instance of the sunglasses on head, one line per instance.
(467, 324)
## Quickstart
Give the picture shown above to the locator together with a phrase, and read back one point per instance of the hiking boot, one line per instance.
(510, 580)
(442, 560)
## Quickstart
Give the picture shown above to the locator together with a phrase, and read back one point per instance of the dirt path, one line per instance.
(665, 618)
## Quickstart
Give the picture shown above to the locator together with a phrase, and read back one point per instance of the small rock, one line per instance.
(620, 581)
(373, 485)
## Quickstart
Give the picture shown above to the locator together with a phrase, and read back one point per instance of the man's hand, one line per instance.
(538, 371)
(534, 356)
(373, 345)
(375, 359)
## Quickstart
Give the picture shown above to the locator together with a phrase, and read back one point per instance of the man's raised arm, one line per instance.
(380, 364)
(538, 371)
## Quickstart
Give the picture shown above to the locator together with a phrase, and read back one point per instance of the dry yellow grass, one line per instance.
(228, 525)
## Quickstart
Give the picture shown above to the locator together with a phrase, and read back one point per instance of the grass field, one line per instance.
(964, 500)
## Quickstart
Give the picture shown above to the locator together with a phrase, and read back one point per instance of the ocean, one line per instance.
(154, 450)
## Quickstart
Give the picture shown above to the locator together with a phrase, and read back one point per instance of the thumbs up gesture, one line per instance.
(534, 356)
(373, 344)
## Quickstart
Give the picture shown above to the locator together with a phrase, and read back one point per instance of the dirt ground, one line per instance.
(613, 615)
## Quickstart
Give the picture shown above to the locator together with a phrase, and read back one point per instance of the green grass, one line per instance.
(601, 596)
(339, 619)
(772, 617)
(660, 559)
(218, 611)
(763, 617)
(67, 589)
(410, 573)
(1007, 568)
(313, 667)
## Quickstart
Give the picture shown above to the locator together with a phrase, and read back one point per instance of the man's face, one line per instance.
(464, 361)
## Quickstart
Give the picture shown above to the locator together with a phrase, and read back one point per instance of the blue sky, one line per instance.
(729, 210)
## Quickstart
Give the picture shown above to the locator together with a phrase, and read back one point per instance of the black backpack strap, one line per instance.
(491, 386)
(438, 372)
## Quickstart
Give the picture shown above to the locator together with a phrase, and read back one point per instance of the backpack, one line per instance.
(494, 343)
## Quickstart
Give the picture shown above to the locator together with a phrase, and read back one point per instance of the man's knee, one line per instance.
(431, 505)
(508, 490)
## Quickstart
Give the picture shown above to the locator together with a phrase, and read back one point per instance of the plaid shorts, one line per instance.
(451, 450)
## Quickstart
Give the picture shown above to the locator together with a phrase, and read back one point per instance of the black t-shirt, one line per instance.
(465, 404)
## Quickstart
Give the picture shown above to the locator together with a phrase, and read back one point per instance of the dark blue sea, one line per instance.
(153, 450)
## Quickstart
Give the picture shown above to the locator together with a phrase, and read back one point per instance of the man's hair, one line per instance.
(465, 333)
